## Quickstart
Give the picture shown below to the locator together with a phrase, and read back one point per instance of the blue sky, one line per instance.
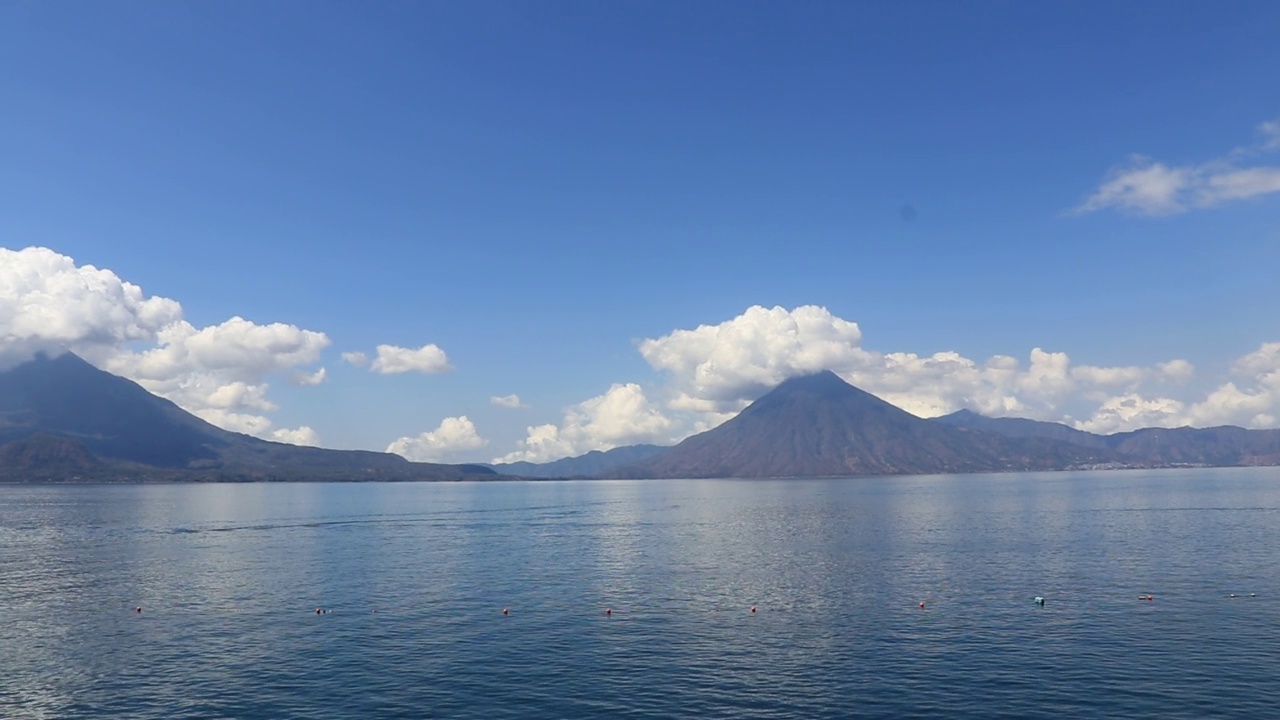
(536, 189)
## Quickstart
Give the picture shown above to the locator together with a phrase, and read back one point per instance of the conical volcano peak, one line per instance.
(822, 381)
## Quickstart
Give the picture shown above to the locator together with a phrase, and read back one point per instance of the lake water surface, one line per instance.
(415, 578)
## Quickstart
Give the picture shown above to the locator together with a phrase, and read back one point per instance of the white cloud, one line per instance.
(718, 369)
(316, 378)
(1229, 405)
(355, 358)
(1237, 185)
(426, 359)
(49, 304)
(1131, 411)
(1270, 132)
(1142, 186)
(1176, 370)
(219, 372)
(621, 416)
(715, 370)
(507, 401)
(1255, 405)
(1146, 187)
(1113, 376)
(455, 437)
(240, 395)
(296, 436)
(247, 423)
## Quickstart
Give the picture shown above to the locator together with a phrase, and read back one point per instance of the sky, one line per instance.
(498, 231)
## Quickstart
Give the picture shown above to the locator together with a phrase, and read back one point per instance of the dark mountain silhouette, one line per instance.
(50, 406)
(820, 425)
(592, 464)
(1225, 445)
(46, 457)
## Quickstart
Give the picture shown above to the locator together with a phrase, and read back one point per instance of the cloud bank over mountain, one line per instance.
(703, 375)
(221, 373)
(709, 373)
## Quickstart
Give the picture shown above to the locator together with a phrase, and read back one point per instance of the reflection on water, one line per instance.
(415, 576)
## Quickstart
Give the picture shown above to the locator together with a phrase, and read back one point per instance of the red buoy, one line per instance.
(608, 611)
(921, 604)
(506, 611)
(753, 608)
(138, 610)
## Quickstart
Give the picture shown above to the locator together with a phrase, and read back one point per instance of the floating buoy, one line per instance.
(1233, 594)
(319, 611)
(1040, 601)
(506, 611)
(1146, 597)
(138, 609)
(608, 611)
(1253, 594)
(753, 608)
(921, 604)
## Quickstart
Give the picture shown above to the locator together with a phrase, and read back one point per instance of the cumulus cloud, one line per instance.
(315, 378)
(1131, 411)
(219, 372)
(713, 371)
(714, 368)
(50, 304)
(709, 373)
(355, 358)
(1145, 187)
(507, 401)
(454, 438)
(296, 436)
(426, 359)
(621, 416)
(1251, 400)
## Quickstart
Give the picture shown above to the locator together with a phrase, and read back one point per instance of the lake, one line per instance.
(414, 579)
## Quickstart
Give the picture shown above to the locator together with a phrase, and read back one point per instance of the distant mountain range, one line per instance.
(61, 419)
(820, 425)
(1225, 445)
(593, 464)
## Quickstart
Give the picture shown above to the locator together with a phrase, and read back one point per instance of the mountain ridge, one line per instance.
(61, 419)
(819, 425)
(132, 434)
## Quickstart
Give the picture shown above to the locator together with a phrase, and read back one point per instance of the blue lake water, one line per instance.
(415, 578)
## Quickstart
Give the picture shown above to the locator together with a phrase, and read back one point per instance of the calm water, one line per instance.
(415, 577)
